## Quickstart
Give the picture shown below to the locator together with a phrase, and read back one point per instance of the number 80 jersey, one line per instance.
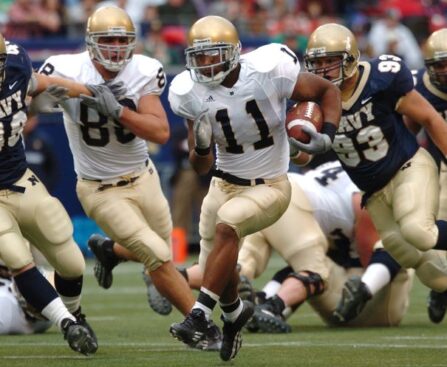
(102, 148)
(372, 141)
(247, 119)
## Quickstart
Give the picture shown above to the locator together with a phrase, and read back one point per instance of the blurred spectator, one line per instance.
(33, 18)
(178, 12)
(4, 9)
(154, 45)
(76, 14)
(389, 36)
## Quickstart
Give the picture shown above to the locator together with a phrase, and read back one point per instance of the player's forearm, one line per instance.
(201, 163)
(44, 81)
(146, 126)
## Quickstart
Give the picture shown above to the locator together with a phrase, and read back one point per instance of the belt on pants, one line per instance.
(244, 181)
(120, 183)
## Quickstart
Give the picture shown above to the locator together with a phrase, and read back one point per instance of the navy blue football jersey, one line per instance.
(372, 141)
(438, 100)
(13, 114)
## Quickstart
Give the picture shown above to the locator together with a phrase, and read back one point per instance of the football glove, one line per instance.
(319, 143)
(48, 100)
(103, 100)
(202, 130)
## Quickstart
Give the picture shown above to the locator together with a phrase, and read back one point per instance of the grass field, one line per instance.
(130, 334)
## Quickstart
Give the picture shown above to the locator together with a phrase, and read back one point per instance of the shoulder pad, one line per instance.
(266, 58)
(182, 84)
(147, 66)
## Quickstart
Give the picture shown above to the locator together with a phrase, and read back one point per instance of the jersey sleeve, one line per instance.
(181, 97)
(397, 76)
(153, 77)
(285, 73)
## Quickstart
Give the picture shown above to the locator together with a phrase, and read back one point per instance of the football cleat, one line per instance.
(106, 260)
(157, 302)
(78, 337)
(232, 338)
(212, 341)
(81, 320)
(245, 289)
(354, 296)
(436, 306)
(191, 330)
(268, 318)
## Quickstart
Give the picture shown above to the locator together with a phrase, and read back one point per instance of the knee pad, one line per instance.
(310, 279)
(421, 237)
(404, 253)
(432, 270)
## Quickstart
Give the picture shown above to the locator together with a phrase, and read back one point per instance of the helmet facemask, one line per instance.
(226, 56)
(437, 71)
(345, 65)
(112, 56)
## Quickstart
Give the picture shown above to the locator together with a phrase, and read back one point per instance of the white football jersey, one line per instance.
(101, 147)
(248, 119)
(329, 190)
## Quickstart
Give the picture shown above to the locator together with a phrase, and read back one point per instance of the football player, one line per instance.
(28, 212)
(399, 179)
(238, 105)
(325, 204)
(117, 183)
(431, 82)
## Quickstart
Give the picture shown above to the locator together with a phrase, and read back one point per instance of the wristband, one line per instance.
(202, 151)
(329, 129)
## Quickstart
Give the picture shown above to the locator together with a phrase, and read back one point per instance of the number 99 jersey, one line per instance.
(102, 148)
(247, 119)
(372, 141)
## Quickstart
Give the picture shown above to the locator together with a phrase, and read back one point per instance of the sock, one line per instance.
(206, 301)
(34, 287)
(56, 311)
(232, 310)
(376, 277)
(441, 243)
(69, 291)
(271, 288)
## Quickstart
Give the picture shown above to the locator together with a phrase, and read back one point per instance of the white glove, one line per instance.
(319, 143)
(202, 130)
(48, 100)
(103, 101)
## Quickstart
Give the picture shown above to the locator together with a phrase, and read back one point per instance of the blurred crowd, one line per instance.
(381, 26)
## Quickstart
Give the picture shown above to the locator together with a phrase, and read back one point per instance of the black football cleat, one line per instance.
(436, 306)
(106, 260)
(79, 337)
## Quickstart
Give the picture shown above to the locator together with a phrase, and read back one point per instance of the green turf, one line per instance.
(130, 334)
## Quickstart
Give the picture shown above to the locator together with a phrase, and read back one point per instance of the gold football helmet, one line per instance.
(435, 57)
(2, 59)
(110, 22)
(333, 40)
(214, 38)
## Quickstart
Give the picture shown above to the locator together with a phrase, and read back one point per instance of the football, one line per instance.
(303, 113)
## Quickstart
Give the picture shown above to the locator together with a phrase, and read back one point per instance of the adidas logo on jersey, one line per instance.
(210, 99)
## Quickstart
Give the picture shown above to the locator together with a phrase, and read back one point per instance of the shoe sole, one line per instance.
(269, 324)
(157, 302)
